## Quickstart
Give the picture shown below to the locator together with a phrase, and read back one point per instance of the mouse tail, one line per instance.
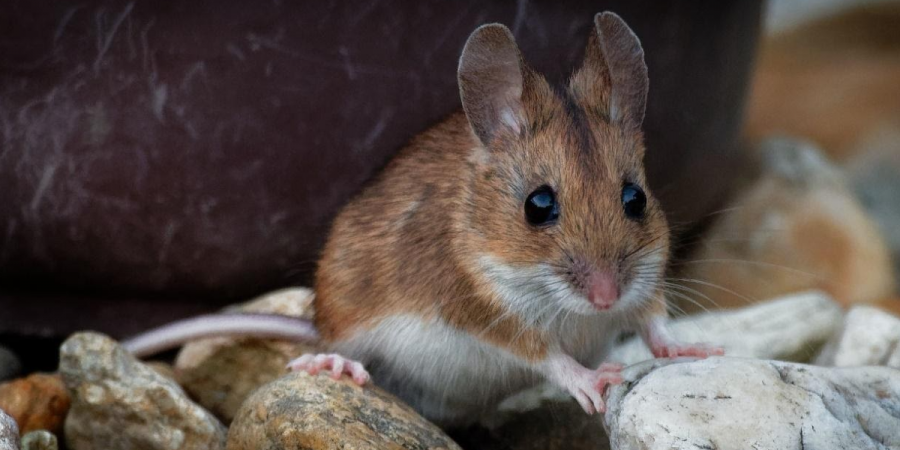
(176, 334)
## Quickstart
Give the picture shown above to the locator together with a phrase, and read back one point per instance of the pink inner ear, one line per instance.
(602, 289)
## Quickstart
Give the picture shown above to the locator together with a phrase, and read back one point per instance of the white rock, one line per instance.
(870, 337)
(735, 403)
(9, 432)
(787, 328)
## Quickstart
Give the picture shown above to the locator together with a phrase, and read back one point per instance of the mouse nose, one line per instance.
(602, 289)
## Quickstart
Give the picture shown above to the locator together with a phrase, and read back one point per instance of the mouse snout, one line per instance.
(602, 289)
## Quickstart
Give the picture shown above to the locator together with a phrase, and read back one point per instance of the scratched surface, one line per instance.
(199, 149)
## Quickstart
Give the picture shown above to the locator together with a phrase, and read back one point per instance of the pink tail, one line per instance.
(181, 332)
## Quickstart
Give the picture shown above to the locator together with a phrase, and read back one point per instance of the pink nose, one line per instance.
(602, 289)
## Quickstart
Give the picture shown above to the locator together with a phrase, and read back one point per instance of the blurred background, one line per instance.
(163, 159)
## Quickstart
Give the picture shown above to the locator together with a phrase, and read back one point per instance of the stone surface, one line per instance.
(37, 402)
(769, 241)
(10, 366)
(733, 403)
(120, 403)
(869, 337)
(220, 373)
(299, 411)
(788, 328)
(40, 440)
(9, 432)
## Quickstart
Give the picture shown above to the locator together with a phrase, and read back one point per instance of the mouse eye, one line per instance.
(541, 207)
(634, 201)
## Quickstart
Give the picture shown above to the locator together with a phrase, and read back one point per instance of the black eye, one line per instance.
(541, 207)
(633, 201)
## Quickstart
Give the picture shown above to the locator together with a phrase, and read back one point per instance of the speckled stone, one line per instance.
(119, 403)
(299, 411)
(40, 440)
(9, 432)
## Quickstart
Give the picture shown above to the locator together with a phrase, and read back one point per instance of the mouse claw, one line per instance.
(335, 364)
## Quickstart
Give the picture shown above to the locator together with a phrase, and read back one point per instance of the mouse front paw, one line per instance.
(333, 363)
(588, 386)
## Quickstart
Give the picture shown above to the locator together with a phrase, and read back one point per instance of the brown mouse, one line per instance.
(509, 244)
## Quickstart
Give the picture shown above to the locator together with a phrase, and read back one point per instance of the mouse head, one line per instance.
(558, 210)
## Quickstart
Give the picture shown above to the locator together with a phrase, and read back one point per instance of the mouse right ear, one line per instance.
(490, 79)
(614, 75)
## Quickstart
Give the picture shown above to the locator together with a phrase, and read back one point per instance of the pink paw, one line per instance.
(695, 350)
(587, 386)
(336, 364)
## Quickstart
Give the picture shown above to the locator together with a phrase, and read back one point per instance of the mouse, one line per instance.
(508, 245)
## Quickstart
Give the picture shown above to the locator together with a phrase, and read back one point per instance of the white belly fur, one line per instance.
(448, 375)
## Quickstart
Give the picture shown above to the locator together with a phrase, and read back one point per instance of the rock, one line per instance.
(10, 366)
(220, 373)
(798, 227)
(120, 403)
(789, 328)
(37, 402)
(40, 440)
(731, 403)
(869, 337)
(9, 432)
(299, 411)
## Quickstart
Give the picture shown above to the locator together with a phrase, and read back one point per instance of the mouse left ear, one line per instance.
(491, 81)
(614, 74)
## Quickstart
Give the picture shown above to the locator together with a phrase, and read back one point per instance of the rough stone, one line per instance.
(788, 328)
(220, 373)
(9, 432)
(299, 411)
(10, 366)
(120, 403)
(37, 402)
(40, 440)
(869, 337)
(731, 403)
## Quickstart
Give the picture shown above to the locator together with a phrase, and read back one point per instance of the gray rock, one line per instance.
(869, 337)
(10, 366)
(788, 328)
(40, 440)
(120, 403)
(732, 403)
(9, 432)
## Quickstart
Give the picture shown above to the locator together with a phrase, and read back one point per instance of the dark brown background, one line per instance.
(160, 158)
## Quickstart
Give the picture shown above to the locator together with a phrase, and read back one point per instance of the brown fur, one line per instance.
(408, 243)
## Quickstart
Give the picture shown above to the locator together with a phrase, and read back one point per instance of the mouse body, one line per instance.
(510, 244)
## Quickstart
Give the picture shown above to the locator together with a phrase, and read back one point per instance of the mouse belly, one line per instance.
(446, 374)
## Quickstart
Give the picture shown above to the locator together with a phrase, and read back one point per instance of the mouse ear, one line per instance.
(614, 65)
(491, 80)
